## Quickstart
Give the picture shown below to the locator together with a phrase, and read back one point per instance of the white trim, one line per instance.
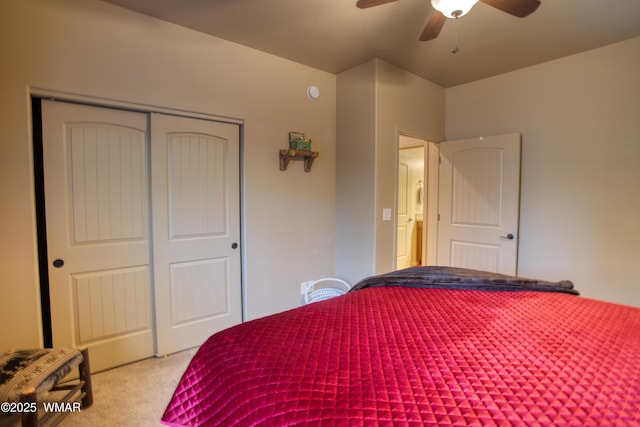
(126, 105)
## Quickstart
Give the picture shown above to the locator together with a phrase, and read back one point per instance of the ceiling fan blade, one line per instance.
(519, 8)
(363, 4)
(433, 27)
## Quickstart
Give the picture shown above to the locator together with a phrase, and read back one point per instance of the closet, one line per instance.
(142, 216)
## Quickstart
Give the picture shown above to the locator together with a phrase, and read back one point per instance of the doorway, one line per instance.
(409, 252)
(416, 203)
(470, 210)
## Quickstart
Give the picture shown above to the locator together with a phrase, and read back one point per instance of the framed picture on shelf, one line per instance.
(296, 136)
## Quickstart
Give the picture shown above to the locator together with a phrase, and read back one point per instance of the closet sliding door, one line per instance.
(97, 217)
(196, 229)
(142, 230)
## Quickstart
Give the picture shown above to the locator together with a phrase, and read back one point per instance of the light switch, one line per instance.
(386, 214)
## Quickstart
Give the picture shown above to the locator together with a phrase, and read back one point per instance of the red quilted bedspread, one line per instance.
(410, 357)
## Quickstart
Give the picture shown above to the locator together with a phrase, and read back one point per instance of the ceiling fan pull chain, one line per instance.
(455, 49)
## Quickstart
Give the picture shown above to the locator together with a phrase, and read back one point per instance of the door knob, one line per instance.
(508, 237)
(58, 263)
(234, 245)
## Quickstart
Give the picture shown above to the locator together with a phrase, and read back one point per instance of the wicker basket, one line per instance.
(314, 295)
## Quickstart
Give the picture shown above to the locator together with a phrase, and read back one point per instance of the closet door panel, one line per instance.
(97, 216)
(196, 205)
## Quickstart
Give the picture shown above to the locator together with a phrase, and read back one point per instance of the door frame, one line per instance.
(35, 95)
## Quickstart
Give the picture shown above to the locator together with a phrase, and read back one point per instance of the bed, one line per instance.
(423, 346)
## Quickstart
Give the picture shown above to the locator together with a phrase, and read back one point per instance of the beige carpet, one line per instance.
(132, 395)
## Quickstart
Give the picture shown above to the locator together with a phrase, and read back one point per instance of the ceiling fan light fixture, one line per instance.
(453, 8)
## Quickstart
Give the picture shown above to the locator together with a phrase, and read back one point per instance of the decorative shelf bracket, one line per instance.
(287, 155)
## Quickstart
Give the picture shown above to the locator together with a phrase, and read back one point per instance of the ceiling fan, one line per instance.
(456, 8)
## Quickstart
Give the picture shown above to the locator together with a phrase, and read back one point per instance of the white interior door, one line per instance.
(479, 203)
(96, 191)
(196, 208)
(405, 225)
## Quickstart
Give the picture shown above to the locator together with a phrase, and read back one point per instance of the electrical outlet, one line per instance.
(303, 287)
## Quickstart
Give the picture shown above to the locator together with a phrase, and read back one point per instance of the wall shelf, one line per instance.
(290, 154)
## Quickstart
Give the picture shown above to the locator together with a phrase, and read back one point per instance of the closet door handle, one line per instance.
(508, 237)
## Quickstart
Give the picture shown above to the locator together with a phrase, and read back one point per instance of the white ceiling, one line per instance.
(334, 35)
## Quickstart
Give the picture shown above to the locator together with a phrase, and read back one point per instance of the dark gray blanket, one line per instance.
(461, 278)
